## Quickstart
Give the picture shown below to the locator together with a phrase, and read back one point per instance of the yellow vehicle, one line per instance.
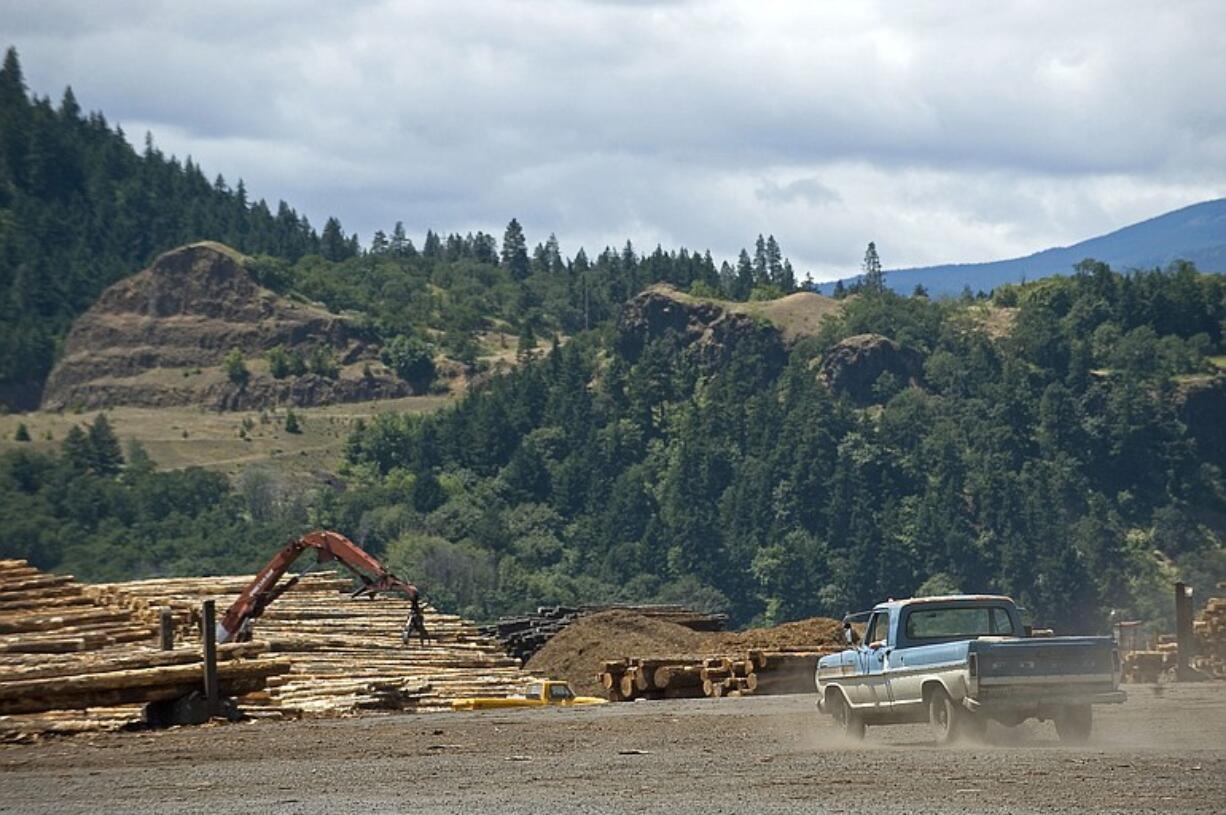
(550, 693)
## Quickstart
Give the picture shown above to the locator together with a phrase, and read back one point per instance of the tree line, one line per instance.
(81, 209)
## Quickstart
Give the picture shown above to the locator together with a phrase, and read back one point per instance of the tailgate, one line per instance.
(1078, 663)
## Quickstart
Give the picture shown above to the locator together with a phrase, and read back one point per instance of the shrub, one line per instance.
(235, 368)
(412, 360)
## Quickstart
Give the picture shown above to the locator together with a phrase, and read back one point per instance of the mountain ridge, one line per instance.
(1195, 233)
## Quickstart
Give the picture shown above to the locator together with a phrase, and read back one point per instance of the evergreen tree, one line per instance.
(333, 245)
(873, 278)
(292, 423)
(105, 455)
(515, 251)
(22, 433)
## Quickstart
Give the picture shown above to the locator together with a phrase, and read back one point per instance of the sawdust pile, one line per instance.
(576, 653)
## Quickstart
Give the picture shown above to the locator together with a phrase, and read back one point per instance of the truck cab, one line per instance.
(958, 661)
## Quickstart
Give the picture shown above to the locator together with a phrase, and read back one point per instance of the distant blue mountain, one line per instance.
(1196, 233)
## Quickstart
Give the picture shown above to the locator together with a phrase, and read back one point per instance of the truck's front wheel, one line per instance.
(849, 723)
(1074, 724)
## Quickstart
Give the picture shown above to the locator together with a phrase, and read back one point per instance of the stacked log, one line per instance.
(346, 653)
(1210, 632)
(715, 676)
(70, 662)
(525, 634)
(44, 613)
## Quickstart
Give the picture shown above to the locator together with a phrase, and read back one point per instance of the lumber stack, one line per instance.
(1210, 632)
(345, 653)
(71, 662)
(44, 613)
(716, 676)
(525, 634)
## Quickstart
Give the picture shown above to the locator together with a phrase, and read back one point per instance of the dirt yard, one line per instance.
(1157, 753)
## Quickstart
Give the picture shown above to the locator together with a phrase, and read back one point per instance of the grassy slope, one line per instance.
(186, 436)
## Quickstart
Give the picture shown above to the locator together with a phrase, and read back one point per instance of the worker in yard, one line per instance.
(415, 623)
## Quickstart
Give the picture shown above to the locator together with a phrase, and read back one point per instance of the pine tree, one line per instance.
(22, 434)
(332, 243)
(75, 449)
(744, 277)
(292, 424)
(105, 455)
(774, 265)
(515, 251)
(873, 279)
(761, 268)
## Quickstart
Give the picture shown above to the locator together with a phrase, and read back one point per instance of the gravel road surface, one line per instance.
(1162, 751)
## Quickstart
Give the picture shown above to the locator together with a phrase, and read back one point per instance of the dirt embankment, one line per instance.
(577, 652)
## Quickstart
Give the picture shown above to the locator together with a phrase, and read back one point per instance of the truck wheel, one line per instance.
(849, 723)
(1074, 724)
(950, 722)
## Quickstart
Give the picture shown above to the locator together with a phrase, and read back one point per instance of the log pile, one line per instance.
(44, 613)
(346, 654)
(70, 662)
(715, 676)
(525, 634)
(1210, 632)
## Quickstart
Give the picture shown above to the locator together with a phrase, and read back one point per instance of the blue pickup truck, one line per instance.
(957, 662)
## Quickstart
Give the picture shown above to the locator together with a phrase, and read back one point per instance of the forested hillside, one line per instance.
(80, 209)
(1059, 463)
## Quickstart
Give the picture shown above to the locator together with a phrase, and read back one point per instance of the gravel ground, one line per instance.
(1160, 752)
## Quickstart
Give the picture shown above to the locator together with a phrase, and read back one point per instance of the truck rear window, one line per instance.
(947, 623)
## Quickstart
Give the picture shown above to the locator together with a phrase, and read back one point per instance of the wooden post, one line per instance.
(211, 689)
(1183, 631)
(167, 629)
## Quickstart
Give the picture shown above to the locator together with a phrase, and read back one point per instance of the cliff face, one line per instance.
(708, 331)
(158, 338)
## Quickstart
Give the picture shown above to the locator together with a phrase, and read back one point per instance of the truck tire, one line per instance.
(848, 722)
(950, 721)
(1074, 723)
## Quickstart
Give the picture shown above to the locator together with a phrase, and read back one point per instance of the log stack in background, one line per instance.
(716, 676)
(1210, 631)
(524, 634)
(346, 654)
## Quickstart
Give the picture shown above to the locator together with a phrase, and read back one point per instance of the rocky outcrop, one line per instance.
(1201, 403)
(853, 366)
(158, 338)
(706, 330)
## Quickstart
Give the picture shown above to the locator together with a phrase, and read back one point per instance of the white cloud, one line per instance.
(943, 131)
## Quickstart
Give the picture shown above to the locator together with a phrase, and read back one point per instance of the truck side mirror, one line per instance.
(849, 634)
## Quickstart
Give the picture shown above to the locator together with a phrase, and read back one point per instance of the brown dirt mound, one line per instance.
(813, 632)
(577, 652)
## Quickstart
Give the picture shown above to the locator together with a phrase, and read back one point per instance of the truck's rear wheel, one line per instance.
(1074, 724)
(950, 721)
(849, 723)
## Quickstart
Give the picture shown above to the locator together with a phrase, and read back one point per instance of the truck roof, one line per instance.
(944, 598)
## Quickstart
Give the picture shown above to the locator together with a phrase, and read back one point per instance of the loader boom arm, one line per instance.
(328, 546)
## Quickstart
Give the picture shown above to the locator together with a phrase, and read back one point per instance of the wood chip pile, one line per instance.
(1210, 631)
(525, 634)
(693, 677)
(71, 663)
(346, 654)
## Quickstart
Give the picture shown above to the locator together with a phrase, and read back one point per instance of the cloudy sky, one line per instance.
(944, 131)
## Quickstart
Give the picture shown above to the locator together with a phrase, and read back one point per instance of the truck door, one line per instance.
(876, 642)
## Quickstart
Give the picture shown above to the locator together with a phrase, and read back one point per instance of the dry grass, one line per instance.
(796, 315)
(188, 436)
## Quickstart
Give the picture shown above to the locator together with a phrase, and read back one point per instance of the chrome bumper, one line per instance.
(1049, 700)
